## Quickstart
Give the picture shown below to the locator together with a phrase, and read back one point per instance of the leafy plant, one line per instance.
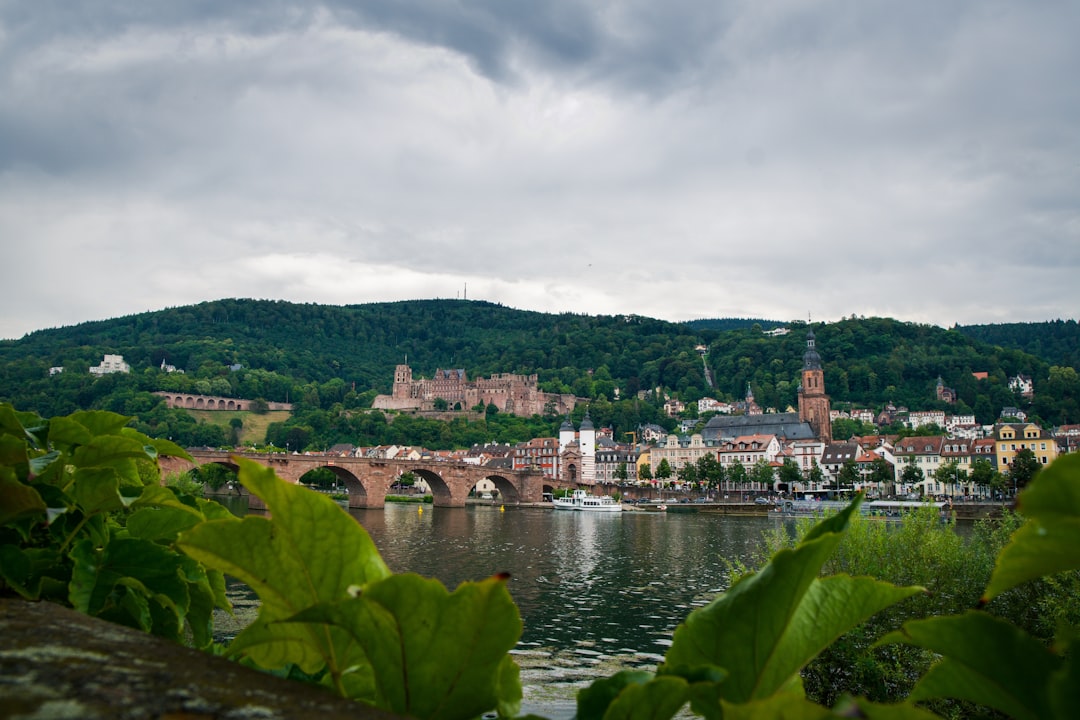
(331, 606)
(993, 662)
(85, 522)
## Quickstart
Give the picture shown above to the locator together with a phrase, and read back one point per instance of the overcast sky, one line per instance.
(681, 159)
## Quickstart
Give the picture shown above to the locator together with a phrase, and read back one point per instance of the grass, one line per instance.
(255, 425)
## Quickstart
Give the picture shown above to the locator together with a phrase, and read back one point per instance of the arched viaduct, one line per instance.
(368, 480)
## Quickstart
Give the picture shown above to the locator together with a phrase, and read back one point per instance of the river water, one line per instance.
(597, 592)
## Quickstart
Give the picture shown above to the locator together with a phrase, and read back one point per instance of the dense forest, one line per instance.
(330, 361)
(1057, 341)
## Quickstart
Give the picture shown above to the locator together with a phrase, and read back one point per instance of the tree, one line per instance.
(790, 474)
(984, 475)
(709, 470)
(645, 472)
(1023, 468)
(688, 474)
(816, 476)
(881, 473)
(848, 477)
(950, 475)
(439, 404)
(663, 470)
(912, 475)
(737, 475)
(762, 474)
(621, 472)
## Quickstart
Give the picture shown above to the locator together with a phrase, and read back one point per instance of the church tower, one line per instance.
(813, 402)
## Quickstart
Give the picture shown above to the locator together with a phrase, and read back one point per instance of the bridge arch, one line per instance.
(368, 480)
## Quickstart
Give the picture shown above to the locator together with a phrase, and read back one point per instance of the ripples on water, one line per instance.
(598, 593)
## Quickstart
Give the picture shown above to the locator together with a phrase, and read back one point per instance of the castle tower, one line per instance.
(402, 381)
(813, 402)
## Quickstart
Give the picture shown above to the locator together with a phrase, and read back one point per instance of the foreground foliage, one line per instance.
(85, 522)
(80, 524)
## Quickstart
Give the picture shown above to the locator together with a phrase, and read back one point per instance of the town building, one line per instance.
(1023, 385)
(538, 454)
(1010, 438)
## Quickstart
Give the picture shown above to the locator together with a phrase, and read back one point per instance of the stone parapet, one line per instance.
(58, 663)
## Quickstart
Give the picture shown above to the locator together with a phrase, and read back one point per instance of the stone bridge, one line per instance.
(368, 480)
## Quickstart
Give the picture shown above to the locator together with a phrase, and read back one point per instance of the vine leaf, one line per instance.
(1046, 544)
(309, 551)
(436, 655)
(986, 660)
(769, 625)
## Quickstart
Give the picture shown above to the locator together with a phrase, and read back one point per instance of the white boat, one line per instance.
(580, 500)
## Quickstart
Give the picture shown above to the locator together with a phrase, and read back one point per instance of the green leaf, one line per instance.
(985, 660)
(32, 572)
(117, 452)
(167, 448)
(508, 690)
(594, 700)
(780, 706)
(436, 655)
(99, 422)
(18, 500)
(127, 561)
(308, 552)
(96, 489)
(658, 699)
(1049, 542)
(161, 523)
(769, 625)
(67, 432)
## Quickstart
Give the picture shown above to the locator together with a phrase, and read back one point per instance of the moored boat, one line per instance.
(581, 500)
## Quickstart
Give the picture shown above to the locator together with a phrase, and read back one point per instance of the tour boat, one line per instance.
(580, 500)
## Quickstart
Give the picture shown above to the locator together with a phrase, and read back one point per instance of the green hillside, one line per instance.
(330, 361)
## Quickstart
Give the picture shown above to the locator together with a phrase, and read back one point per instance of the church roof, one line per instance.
(784, 425)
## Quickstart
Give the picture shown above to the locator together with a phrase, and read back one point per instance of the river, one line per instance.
(597, 592)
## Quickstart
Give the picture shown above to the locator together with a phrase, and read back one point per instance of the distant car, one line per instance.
(684, 500)
(701, 500)
(761, 501)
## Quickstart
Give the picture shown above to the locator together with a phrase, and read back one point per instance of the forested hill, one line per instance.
(329, 356)
(1057, 341)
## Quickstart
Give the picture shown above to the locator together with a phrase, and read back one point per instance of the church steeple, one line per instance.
(813, 402)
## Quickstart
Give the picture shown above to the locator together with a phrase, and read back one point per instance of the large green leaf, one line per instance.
(126, 561)
(115, 451)
(96, 489)
(1049, 542)
(99, 422)
(161, 523)
(436, 655)
(308, 552)
(985, 660)
(658, 699)
(769, 625)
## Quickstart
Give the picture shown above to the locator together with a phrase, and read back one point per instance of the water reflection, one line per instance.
(597, 592)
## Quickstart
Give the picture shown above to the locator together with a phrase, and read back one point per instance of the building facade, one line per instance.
(509, 393)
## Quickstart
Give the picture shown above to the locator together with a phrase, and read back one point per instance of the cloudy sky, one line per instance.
(684, 159)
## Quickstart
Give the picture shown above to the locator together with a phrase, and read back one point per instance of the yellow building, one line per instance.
(1013, 437)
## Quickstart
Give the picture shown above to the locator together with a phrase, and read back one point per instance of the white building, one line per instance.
(111, 364)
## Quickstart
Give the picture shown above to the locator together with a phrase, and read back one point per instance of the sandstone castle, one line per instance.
(511, 394)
